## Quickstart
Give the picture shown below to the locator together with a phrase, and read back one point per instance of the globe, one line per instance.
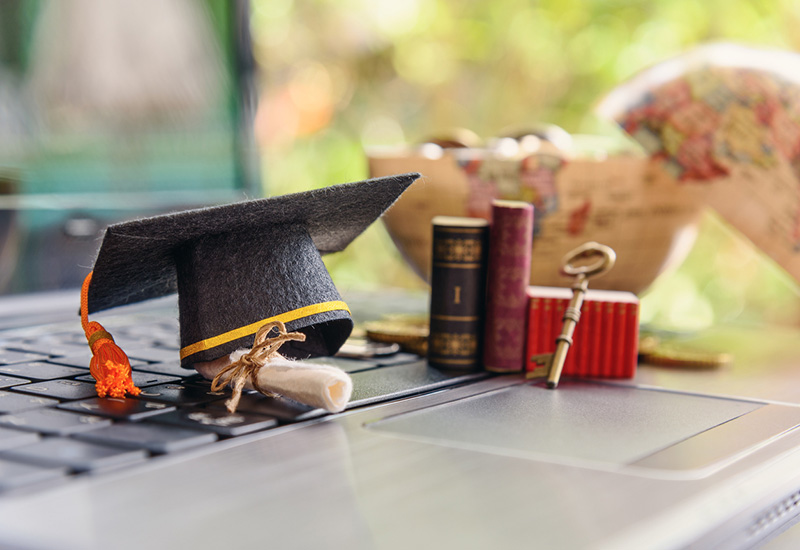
(627, 202)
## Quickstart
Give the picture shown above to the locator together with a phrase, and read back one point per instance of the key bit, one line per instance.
(600, 258)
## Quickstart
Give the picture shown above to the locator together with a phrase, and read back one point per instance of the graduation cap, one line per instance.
(236, 268)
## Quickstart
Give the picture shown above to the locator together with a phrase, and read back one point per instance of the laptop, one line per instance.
(421, 457)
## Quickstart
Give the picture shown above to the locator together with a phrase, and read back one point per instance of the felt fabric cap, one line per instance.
(238, 266)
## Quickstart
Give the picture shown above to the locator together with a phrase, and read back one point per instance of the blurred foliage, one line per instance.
(339, 76)
(724, 279)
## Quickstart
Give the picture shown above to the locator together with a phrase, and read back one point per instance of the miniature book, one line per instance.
(509, 268)
(458, 283)
(606, 340)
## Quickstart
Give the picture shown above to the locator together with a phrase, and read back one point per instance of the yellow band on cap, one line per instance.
(252, 328)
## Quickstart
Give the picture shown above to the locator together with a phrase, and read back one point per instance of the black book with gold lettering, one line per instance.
(458, 286)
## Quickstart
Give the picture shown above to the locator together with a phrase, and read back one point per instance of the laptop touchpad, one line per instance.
(585, 421)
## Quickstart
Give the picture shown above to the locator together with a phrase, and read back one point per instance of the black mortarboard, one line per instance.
(238, 266)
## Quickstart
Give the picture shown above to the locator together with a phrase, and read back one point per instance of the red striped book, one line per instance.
(606, 340)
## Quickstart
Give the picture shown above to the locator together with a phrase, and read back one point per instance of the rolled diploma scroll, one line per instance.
(320, 386)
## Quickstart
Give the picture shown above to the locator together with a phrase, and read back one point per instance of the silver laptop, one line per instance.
(422, 458)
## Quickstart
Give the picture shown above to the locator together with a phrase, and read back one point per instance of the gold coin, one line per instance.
(410, 332)
(687, 358)
(653, 350)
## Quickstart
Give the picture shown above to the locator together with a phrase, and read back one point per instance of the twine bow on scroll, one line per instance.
(246, 368)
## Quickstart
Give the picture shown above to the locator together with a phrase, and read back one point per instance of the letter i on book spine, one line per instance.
(509, 272)
(458, 283)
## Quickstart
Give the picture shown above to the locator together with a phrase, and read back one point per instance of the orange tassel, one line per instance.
(109, 365)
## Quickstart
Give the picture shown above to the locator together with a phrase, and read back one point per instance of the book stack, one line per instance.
(521, 322)
(606, 340)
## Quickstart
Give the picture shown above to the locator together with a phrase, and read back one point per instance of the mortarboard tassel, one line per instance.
(109, 365)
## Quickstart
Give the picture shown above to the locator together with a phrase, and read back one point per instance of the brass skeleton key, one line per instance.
(604, 258)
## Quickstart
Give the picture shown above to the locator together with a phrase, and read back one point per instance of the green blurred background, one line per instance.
(336, 77)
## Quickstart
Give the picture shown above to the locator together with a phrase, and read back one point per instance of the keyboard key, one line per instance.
(197, 381)
(141, 379)
(172, 342)
(54, 421)
(154, 355)
(73, 338)
(149, 331)
(59, 389)
(16, 402)
(374, 386)
(181, 394)
(52, 347)
(14, 475)
(41, 371)
(218, 421)
(15, 438)
(172, 368)
(9, 357)
(12, 343)
(156, 438)
(147, 379)
(82, 361)
(78, 456)
(8, 381)
(281, 408)
(119, 409)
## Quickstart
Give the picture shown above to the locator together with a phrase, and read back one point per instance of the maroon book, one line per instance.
(509, 271)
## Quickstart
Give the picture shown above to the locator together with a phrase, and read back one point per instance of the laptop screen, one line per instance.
(113, 111)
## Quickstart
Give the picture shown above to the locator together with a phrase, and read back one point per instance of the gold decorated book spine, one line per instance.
(458, 289)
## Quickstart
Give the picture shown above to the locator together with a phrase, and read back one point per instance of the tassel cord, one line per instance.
(109, 364)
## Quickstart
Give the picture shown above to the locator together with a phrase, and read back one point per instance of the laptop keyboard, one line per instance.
(53, 427)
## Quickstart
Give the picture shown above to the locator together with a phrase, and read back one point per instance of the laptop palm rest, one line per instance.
(600, 425)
